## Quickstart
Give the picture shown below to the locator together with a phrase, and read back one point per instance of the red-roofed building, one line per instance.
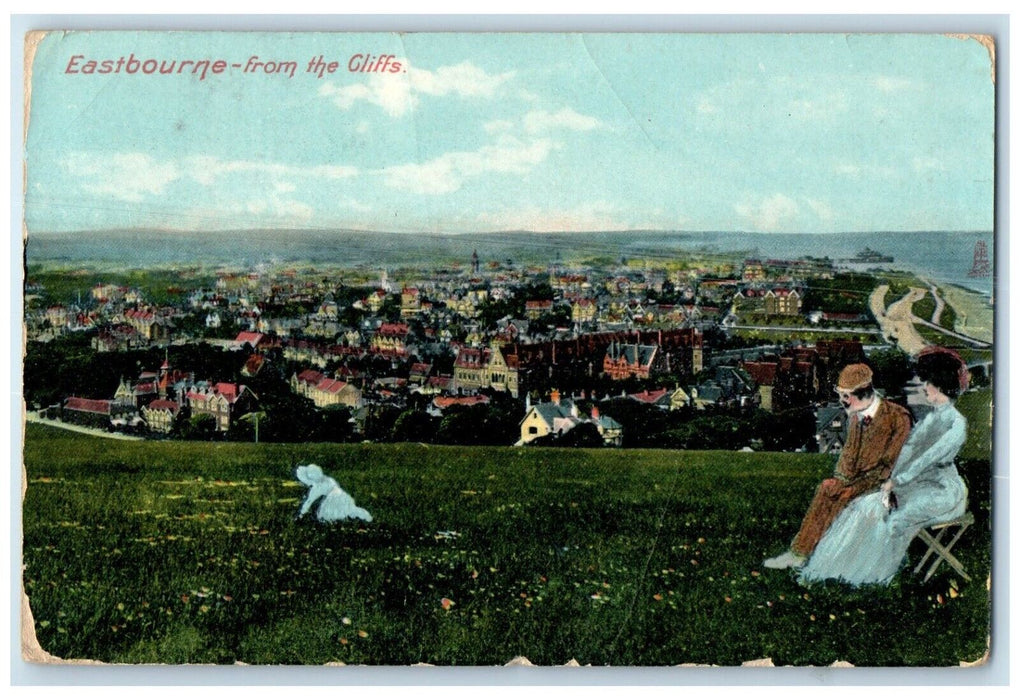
(782, 302)
(420, 371)
(533, 308)
(437, 385)
(325, 391)
(253, 365)
(160, 414)
(470, 368)
(785, 381)
(92, 413)
(583, 310)
(442, 403)
(256, 340)
(223, 401)
(391, 339)
(147, 323)
(375, 300)
(410, 302)
(653, 397)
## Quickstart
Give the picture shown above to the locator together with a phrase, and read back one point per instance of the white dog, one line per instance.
(336, 503)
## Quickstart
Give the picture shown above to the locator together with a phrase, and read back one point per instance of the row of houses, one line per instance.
(522, 367)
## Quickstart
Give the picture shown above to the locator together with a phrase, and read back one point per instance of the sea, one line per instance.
(946, 257)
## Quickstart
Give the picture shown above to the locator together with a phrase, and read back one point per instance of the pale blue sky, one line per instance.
(546, 132)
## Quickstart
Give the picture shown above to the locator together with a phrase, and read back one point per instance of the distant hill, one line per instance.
(947, 256)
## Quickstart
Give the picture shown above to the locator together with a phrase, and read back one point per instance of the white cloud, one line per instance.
(823, 210)
(771, 101)
(269, 211)
(824, 107)
(596, 216)
(137, 177)
(128, 177)
(498, 125)
(857, 171)
(207, 169)
(448, 172)
(131, 177)
(520, 145)
(887, 83)
(540, 121)
(398, 93)
(927, 164)
(770, 213)
(706, 106)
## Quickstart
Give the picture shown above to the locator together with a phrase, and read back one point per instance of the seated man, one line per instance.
(877, 432)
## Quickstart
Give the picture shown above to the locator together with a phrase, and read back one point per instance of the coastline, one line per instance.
(975, 316)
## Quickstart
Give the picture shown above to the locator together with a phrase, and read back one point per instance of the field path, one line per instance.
(896, 321)
(33, 417)
(940, 304)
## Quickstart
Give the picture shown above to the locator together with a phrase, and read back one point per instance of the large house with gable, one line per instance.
(325, 391)
(224, 401)
(626, 360)
(559, 416)
(160, 414)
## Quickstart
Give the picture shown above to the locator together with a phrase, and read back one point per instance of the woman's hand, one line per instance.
(887, 486)
(832, 487)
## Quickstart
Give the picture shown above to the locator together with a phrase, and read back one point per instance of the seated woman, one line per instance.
(869, 540)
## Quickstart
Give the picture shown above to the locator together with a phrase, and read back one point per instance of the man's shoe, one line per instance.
(786, 560)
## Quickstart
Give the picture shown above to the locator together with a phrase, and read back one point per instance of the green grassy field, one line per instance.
(190, 552)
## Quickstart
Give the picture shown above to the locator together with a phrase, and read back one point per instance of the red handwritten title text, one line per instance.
(79, 64)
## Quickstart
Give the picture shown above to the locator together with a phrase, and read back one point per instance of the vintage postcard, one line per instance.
(471, 349)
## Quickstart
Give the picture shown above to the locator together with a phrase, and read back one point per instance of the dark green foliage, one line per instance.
(190, 553)
(892, 369)
(584, 435)
(414, 426)
(200, 427)
(846, 292)
(68, 366)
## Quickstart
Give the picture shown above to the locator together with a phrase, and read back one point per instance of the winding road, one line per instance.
(898, 320)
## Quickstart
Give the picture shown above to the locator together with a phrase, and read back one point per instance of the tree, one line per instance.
(253, 418)
(414, 426)
(336, 425)
(463, 425)
(892, 370)
(584, 435)
(198, 427)
(379, 422)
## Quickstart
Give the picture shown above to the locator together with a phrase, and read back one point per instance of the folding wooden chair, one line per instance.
(932, 536)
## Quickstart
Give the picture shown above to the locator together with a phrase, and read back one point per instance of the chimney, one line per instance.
(555, 396)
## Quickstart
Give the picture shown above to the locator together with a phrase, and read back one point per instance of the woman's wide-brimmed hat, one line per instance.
(963, 372)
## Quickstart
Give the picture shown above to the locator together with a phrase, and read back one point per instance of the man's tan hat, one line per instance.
(854, 377)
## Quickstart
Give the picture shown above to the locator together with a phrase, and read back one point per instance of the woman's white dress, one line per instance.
(336, 503)
(868, 542)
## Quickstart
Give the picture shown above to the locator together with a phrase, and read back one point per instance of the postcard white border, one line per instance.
(994, 673)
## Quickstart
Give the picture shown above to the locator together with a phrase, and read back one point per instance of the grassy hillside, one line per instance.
(977, 407)
(191, 552)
